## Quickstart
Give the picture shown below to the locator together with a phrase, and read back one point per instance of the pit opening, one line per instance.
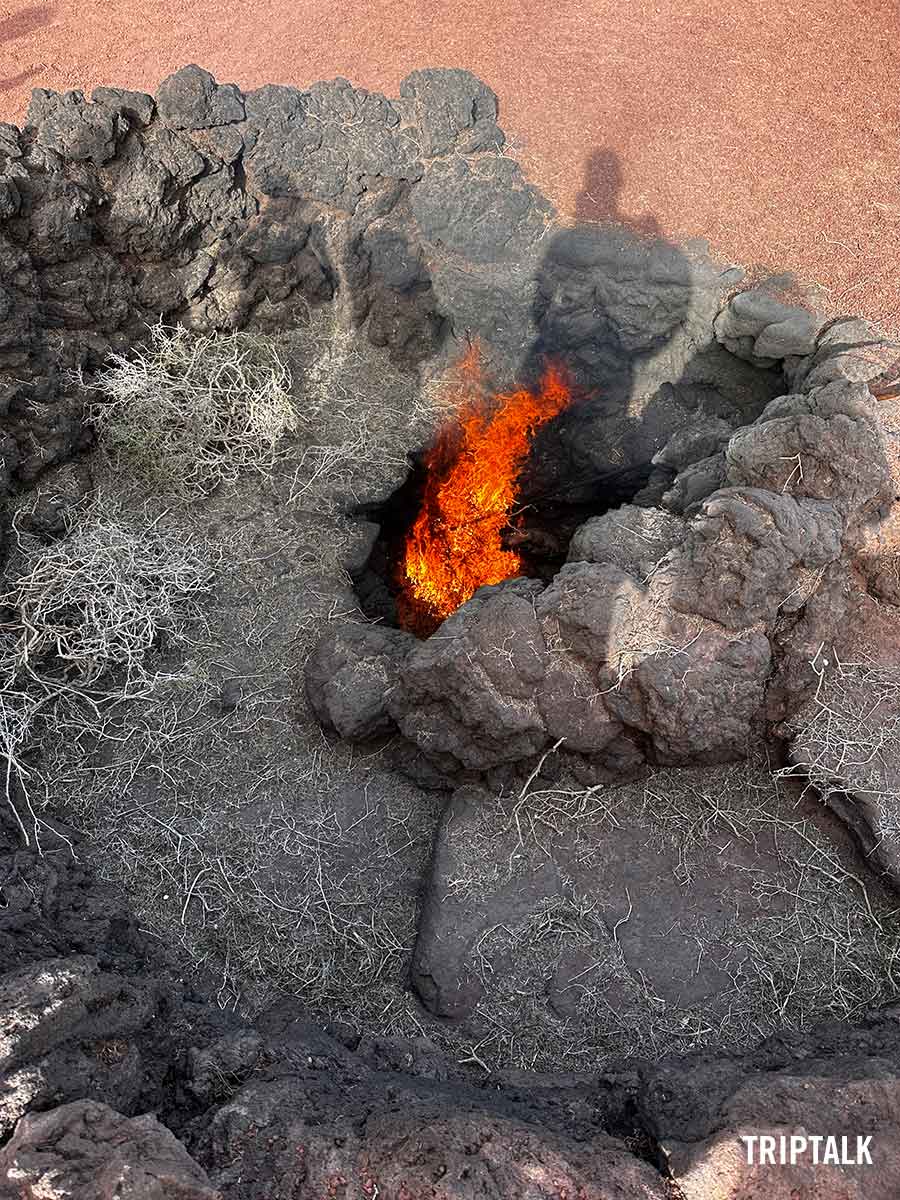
(541, 525)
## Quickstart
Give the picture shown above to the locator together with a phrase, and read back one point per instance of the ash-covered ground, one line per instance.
(560, 924)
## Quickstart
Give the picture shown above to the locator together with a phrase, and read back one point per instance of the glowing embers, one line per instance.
(461, 537)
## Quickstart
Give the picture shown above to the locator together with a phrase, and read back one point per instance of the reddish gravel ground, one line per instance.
(771, 128)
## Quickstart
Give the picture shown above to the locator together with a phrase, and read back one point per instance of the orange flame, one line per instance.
(454, 546)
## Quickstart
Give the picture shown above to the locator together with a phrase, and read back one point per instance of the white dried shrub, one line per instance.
(98, 599)
(190, 411)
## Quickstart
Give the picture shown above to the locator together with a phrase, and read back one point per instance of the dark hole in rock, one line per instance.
(552, 502)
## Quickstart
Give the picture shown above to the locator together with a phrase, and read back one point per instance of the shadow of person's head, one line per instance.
(600, 198)
(611, 303)
(610, 292)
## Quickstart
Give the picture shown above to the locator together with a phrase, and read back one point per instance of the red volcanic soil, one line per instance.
(772, 129)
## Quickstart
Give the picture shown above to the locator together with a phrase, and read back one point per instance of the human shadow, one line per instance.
(612, 296)
(599, 200)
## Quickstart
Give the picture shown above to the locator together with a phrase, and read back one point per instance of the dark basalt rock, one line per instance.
(350, 677)
(87, 1149)
(191, 99)
(225, 210)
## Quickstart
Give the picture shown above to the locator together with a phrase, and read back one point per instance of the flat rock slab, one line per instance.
(564, 925)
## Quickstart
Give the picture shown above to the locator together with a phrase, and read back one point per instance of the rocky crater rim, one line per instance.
(752, 559)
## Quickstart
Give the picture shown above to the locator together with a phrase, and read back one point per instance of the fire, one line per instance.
(455, 546)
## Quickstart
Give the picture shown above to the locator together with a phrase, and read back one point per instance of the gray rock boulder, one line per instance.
(448, 104)
(699, 700)
(87, 1149)
(826, 444)
(467, 697)
(71, 127)
(631, 538)
(763, 324)
(751, 552)
(351, 676)
(595, 611)
(848, 349)
(691, 486)
(694, 442)
(191, 99)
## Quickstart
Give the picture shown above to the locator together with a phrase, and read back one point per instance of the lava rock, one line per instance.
(847, 348)
(71, 127)
(351, 676)
(760, 323)
(53, 1048)
(138, 107)
(594, 609)
(215, 1072)
(749, 552)
(467, 696)
(481, 209)
(691, 486)
(605, 297)
(826, 444)
(716, 716)
(631, 538)
(327, 144)
(448, 103)
(700, 1111)
(693, 443)
(280, 1138)
(87, 1149)
(191, 99)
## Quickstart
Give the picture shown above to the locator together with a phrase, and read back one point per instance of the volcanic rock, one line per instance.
(450, 103)
(191, 99)
(631, 538)
(701, 1111)
(847, 348)
(691, 486)
(75, 129)
(282, 1142)
(762, 325)
(826, 444)
(750, 552)
(351, 675)
(468, 696)
(693, 443)
(87, 1149)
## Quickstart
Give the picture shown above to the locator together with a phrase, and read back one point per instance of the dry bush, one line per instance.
(359, 417)
(98, 599)
(190, 411)
(847, 738)
(80, 616)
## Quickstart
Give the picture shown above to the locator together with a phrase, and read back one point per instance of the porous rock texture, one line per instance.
(722, 603)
